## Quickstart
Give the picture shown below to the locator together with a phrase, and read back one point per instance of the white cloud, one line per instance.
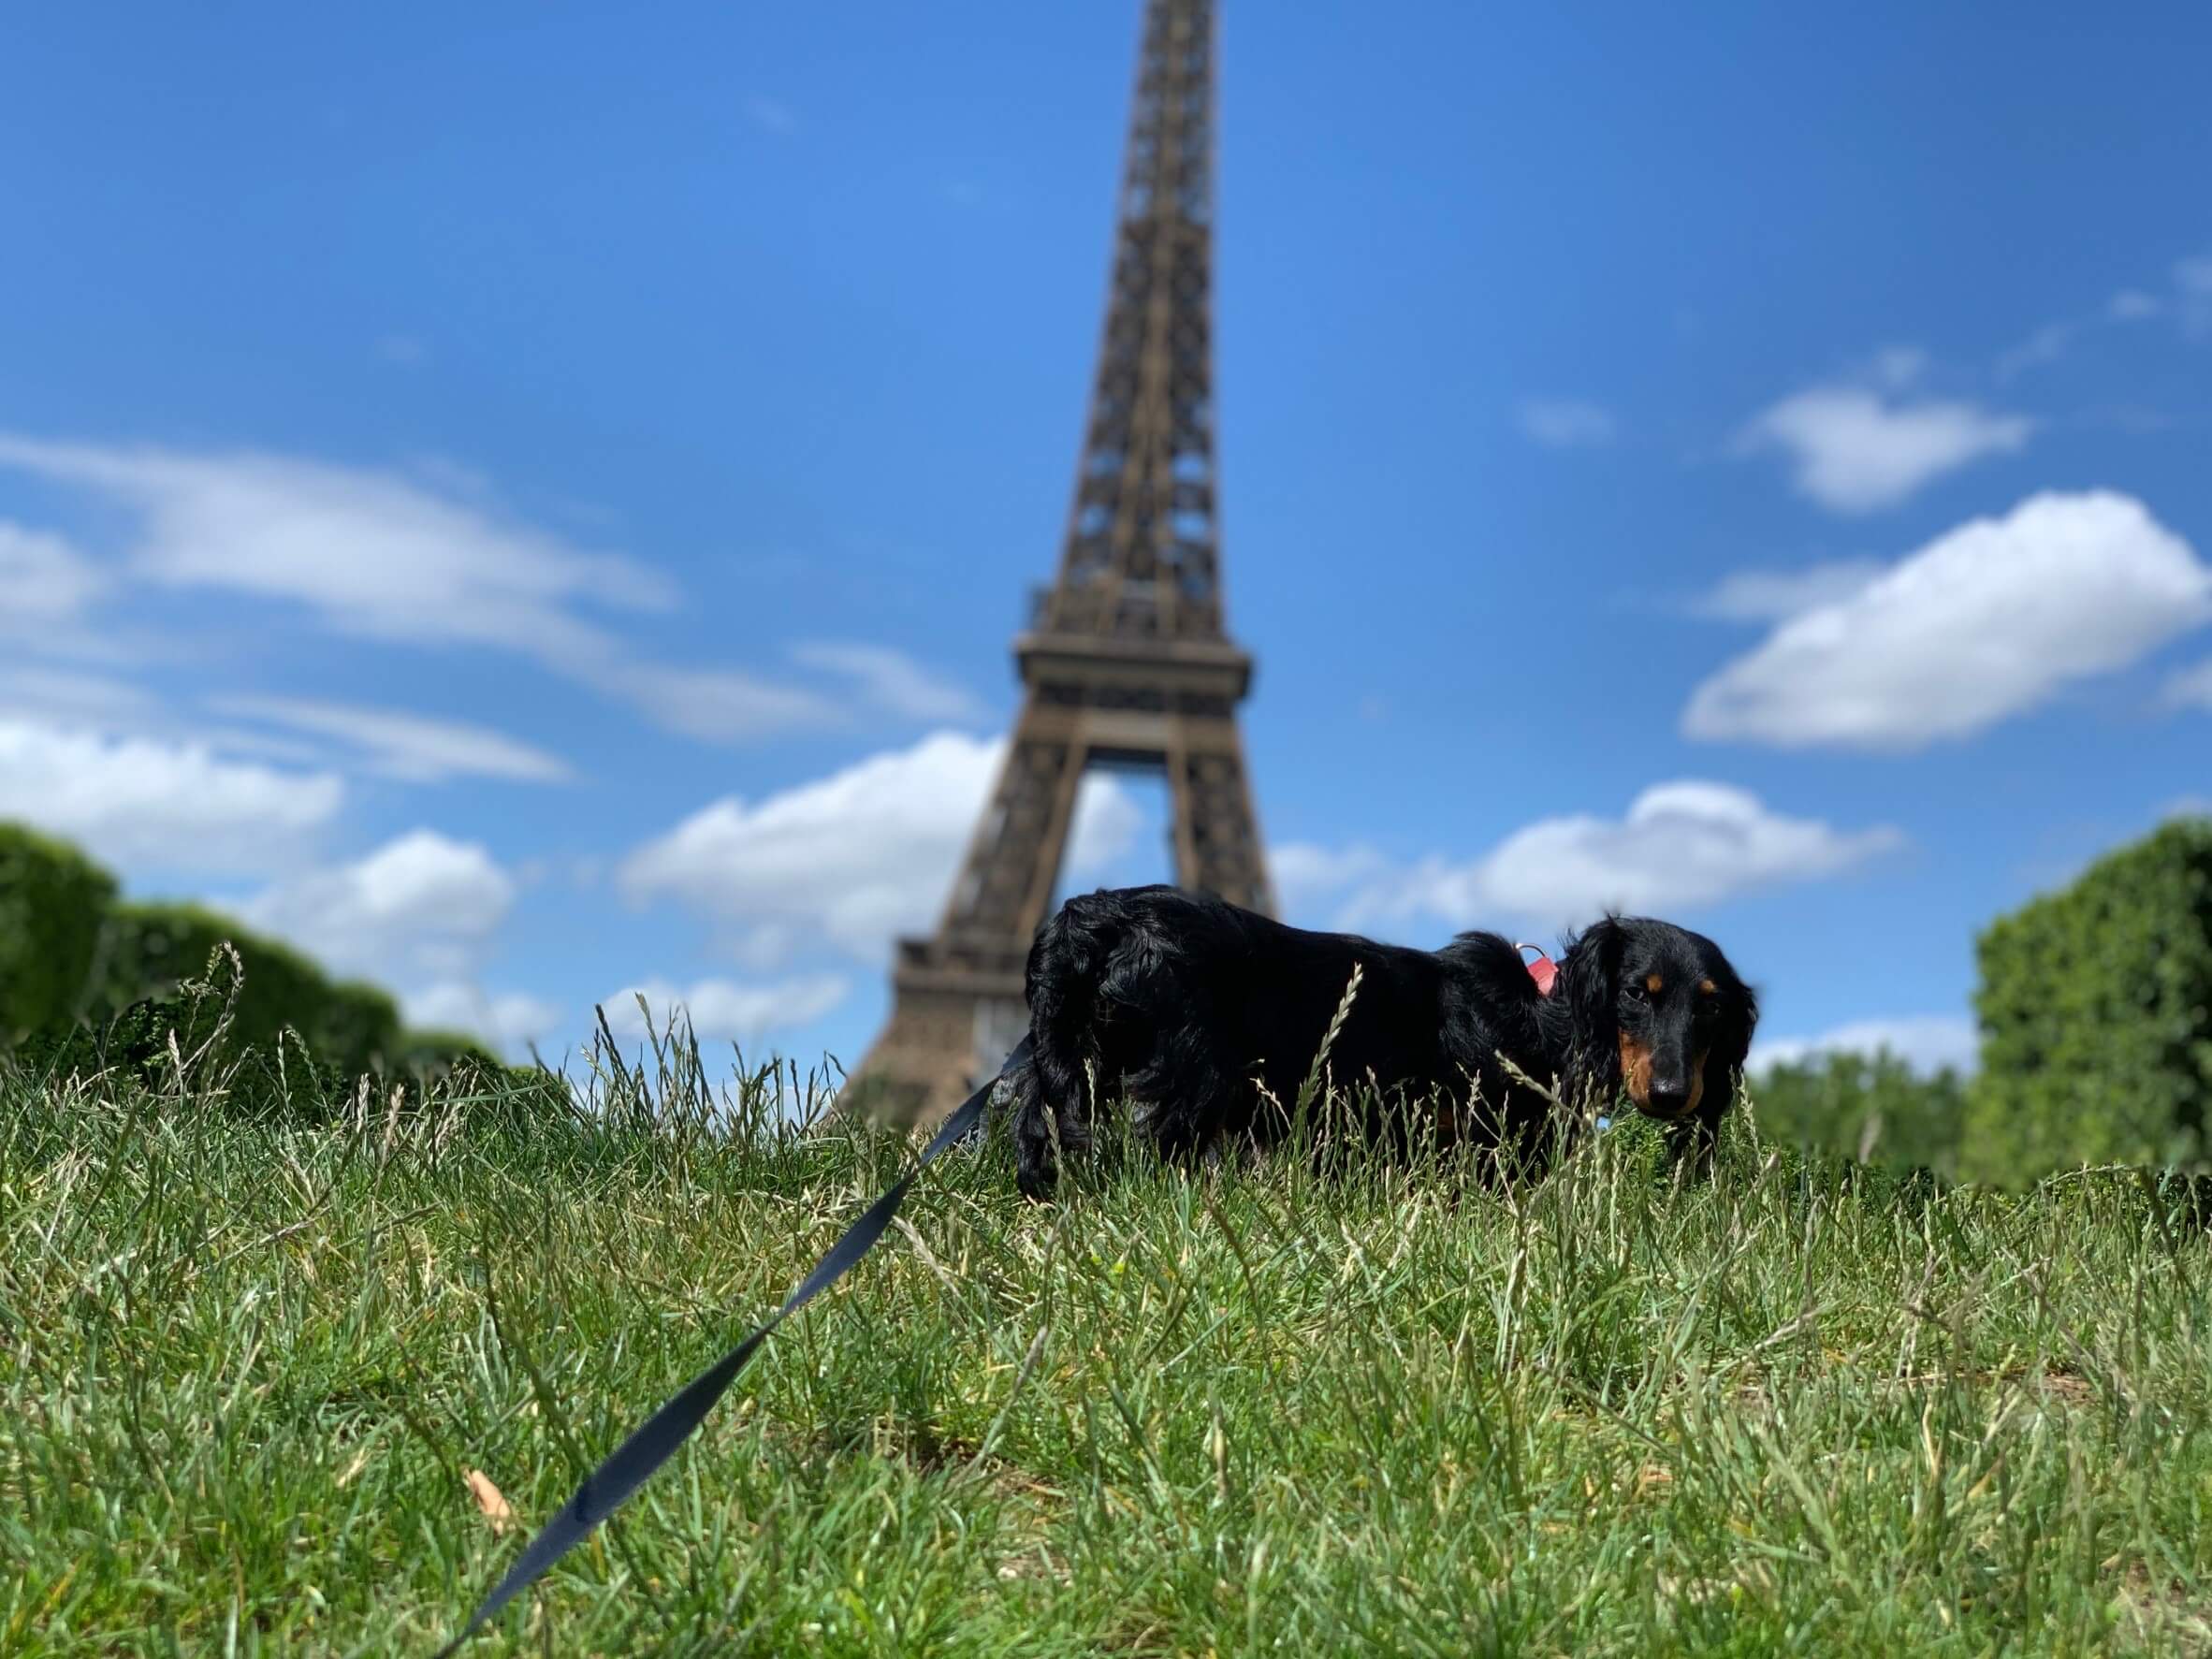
(894, 681)
(43, 580)
(2133, 305)
(1776, 595)
(168, 806)
(1853, 450)
(1926, 1042)
(386, 556)
(1561, 423)
(856, 858)
(412, 748)
(1680, 847)
(721, 1011)
(510, 1022)
(423, 902)
(1984, 622)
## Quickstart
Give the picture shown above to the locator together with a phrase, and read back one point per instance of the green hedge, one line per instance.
(87, 983)
(51, 902)
(2096, 1010)
(151, 949)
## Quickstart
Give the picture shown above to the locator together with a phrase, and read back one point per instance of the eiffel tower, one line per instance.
(1125, 662)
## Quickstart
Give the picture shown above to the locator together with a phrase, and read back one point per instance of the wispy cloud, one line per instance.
(1564, 423)
(402, 351)
(2193, 289)
(43, 579)
(2046, 346)
(2190, 687)
(1897, 367)
(412, 748)
(427, 562)
(894, 681)
(771, 115)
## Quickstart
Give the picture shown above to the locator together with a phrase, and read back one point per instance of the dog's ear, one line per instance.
(1590, 976)
(1731, 1044)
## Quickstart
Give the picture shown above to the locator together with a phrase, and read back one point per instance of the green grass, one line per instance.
(245, 1371)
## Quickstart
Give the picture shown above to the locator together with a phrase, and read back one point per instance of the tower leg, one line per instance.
(1215, 820)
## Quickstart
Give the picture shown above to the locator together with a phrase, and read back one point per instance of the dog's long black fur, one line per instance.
(1207, 1018)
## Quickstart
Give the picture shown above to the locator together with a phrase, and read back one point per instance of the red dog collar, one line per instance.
(1543, 969)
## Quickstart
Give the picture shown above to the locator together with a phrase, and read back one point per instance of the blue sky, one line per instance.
(530, 503)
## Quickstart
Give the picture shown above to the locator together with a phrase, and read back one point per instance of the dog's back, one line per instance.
(1200, 1013)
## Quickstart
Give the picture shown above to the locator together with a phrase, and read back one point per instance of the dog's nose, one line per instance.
(1669, 1099)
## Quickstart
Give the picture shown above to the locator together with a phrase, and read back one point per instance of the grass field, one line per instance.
(271, 1390)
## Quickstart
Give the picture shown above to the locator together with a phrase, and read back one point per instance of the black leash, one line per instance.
(633, 1461)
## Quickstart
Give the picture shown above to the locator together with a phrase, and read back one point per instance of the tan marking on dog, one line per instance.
(1707, 986)
(1635, 1069)
(1696, 1083)
(1653, 984)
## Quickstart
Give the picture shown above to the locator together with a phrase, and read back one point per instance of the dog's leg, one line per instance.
(1030, 1129)
(1036, 1160)
(1051, 1115)
(1689, 1146)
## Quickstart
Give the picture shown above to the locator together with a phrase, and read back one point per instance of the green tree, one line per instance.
(1873, 1108)
(2096, 1009)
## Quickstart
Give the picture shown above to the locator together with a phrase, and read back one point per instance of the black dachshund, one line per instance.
(1207, 1019)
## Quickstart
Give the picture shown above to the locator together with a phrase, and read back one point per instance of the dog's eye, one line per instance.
(1635, 994)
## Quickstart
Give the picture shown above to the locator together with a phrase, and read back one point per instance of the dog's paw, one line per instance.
(1037, 1178)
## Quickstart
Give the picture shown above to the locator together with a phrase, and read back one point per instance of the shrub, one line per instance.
(52, 900)
(153, 949)
(2096, 1010)
(444, 1051)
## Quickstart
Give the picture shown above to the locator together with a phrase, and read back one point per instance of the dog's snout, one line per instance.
(1670, 1098)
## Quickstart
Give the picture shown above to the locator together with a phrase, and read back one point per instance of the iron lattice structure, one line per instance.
(1125, 662)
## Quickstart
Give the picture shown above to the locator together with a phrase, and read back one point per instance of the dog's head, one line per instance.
(1660, 1010)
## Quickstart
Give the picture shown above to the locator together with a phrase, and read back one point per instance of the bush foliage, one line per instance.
(51, 903)
(2096, 1011)
(152, 949)
(90, 984)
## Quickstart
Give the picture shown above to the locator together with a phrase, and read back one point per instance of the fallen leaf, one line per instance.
(491, 1500)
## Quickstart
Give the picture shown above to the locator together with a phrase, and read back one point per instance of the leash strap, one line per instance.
(633, 1461)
